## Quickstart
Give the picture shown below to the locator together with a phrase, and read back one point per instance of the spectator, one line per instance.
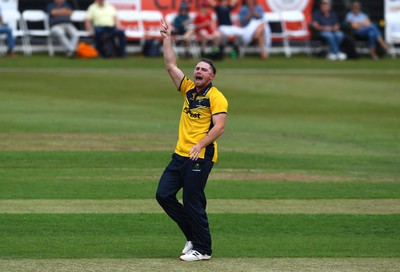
(183, 25)
(103, 17)
(61, 25)
(5, 29)
(255, 29)
(363, 28)
(205, 30)
(223, 9)
(327, 24)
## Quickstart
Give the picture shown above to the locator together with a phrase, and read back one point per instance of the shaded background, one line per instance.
(374, 8)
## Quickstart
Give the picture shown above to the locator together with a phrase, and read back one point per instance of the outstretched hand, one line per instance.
(165, 30)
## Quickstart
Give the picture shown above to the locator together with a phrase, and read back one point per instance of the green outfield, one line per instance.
(308, 177)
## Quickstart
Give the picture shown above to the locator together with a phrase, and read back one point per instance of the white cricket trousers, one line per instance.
(67, 34)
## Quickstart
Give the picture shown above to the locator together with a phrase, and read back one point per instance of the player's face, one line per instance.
(203, 74)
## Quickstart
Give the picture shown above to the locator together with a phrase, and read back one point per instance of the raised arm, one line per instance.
(169, 56)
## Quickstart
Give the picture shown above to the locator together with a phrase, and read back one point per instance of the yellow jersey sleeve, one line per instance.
(218, 103)
(186, 85)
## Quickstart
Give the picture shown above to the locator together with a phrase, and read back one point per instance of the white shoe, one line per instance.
(188, 247)
(341, 56)
(331, 56)
(194, 255)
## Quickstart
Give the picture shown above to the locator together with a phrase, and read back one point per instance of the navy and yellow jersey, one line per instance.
(196, 118)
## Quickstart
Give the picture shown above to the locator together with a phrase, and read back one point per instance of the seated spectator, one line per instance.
(327, 24)
(103, 17)
(363, 28)
(223, 9)
(5, 29)
(255, 29)
(205, 30)
(62, 27)
(183, 26)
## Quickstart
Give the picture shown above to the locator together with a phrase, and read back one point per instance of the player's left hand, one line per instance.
(194, 152)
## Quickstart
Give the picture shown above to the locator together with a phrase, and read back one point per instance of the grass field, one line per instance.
(308, 177)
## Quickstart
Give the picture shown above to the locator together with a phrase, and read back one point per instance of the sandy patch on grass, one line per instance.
(215, 264)
(261, 206)
(82, 142)
(223, 174)
(243, 174)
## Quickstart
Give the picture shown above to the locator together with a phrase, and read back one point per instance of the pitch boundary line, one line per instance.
(215, 264)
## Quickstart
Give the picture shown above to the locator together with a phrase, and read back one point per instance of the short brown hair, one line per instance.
(211, 63)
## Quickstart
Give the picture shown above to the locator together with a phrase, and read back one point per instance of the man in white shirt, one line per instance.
(103, 17)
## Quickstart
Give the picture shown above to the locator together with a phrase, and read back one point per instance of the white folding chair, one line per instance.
(192, 14)
(132, 23)
(275, 20)
(170, 17)
(152, 23)
(179, 39)
(392, 31)
(13, 19)
(79, 17)
(38, 16)
(301, 33)
(3, 48)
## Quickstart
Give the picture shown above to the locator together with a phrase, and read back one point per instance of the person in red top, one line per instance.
(206, 31)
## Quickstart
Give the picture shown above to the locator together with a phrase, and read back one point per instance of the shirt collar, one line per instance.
(205, 90)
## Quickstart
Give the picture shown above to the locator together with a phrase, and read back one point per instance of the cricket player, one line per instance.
(202, 121)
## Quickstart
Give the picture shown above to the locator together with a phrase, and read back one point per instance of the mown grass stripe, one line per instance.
(157, 236)
(216, 264)
(141, 184)
(261, 206)
(347, 166)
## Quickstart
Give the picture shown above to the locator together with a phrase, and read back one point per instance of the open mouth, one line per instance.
(199, 78)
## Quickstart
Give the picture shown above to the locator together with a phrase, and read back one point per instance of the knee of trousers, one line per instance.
(163, 198)
(198, 208)
(57, 32)
(8, 31)
(372, 35)
(328, 39)
(160, 198)
(120, 33)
